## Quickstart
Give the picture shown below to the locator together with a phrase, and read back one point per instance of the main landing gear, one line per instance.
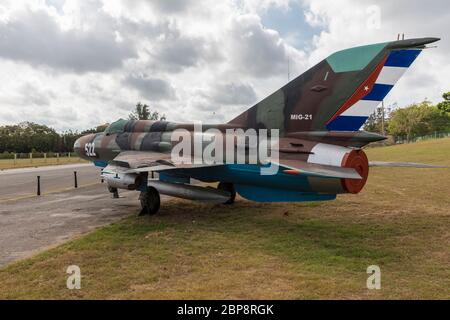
(229, 187)
(150, 201)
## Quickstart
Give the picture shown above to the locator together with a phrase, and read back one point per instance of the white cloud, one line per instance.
(152, 89)
(257, 51)
(346, 24)
(75, 64)
(233, 94)
(35, 37)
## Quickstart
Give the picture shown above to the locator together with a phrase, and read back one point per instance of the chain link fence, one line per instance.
(436, 135)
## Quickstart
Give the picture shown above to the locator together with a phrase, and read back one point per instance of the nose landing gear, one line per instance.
(114, 191)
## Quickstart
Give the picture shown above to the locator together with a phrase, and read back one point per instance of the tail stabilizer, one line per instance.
(337, 94)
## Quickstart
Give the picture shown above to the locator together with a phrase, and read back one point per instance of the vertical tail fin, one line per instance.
(337, 94)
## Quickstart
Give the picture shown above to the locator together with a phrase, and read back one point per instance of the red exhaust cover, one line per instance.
(357, 160)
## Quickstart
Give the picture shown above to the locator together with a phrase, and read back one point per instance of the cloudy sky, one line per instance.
(76, 64)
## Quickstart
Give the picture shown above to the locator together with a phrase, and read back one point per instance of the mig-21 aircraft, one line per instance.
(310, 128)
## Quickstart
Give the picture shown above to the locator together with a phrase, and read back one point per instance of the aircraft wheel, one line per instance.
(150, 202)
(226, 186)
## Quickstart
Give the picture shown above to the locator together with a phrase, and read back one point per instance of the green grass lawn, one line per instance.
(37, 162)
(400, 222)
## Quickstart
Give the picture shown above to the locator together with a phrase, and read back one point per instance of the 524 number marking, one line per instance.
(89, 149)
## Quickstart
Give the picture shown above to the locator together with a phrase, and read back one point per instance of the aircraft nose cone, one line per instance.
(77, 143)
(80, 145)
(77, 146)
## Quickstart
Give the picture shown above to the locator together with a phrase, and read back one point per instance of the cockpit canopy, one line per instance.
(116, 127)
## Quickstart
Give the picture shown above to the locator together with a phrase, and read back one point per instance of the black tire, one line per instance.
(150, 202)
(229, 187)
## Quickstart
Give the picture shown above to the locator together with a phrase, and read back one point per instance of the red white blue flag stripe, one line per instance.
(355, 111)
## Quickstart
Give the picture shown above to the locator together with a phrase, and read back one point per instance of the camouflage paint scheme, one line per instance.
(319, 146)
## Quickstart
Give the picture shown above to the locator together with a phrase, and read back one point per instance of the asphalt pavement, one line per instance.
(19, 183)
(29, 224)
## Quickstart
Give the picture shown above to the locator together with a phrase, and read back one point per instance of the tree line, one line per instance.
(415, 120)
(27, 137)
(418, 119)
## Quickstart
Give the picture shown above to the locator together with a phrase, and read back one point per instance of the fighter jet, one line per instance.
(316, 118)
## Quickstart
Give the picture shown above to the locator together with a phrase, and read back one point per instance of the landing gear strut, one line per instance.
(150, 201)
(229, 187)
(114, 191)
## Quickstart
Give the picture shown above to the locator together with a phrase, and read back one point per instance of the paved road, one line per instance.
(17, 183)
(31, 224)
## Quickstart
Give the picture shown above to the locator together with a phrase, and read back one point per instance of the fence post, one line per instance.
(31, 157)
(75, 179)
(45, 157)
(38, 185)
(57, 157)
(15, 159)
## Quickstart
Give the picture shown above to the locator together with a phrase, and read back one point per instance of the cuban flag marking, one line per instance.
(357, 109)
